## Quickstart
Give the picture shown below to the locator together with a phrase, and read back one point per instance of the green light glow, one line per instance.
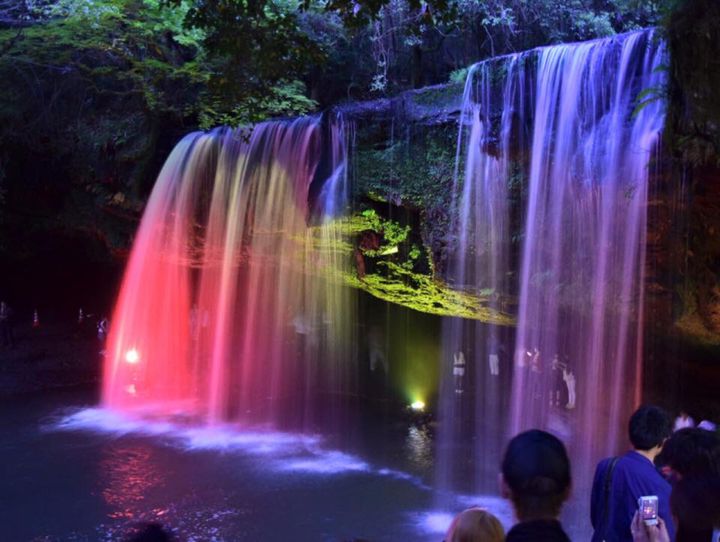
(393, 280)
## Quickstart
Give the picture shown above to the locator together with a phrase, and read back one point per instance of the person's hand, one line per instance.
(642, 532)
(637, 528)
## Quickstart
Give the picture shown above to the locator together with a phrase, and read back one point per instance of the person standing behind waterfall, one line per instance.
(458, 370)
(6, 325)
(557, 375)
(569, 378)
(494, 364)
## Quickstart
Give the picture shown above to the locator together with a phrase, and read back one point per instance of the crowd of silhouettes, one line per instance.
(681, 468)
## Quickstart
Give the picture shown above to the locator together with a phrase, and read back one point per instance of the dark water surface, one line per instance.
(72, 471)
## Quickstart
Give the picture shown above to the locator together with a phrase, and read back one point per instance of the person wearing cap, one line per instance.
(536, 478)
(619, 482)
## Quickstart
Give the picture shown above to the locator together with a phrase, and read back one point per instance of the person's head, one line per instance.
(695, 505)
(475, 525)
(692, 452)
(150, 532)
(648, 428)
(536, 474)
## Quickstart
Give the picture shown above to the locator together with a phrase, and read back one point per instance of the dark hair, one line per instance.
(150, 532)
(649, 426)
(536, 468)
(692, 452)
(695, 502)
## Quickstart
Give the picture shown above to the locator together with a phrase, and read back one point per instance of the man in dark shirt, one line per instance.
(536, 479)
(619, 482)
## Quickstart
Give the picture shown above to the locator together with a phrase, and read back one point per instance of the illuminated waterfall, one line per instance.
(230, 308)
(565, 119)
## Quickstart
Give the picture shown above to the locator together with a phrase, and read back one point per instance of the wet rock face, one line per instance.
(704, 242)
(712, 311)
(693, 141)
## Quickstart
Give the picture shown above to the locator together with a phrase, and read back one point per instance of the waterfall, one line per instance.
(565, 120)
(481, 265)
(231, 307)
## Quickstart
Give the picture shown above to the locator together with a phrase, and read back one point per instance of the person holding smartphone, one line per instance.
(644, 532)
(620, 482)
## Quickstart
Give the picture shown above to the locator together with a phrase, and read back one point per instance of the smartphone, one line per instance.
(648, 507)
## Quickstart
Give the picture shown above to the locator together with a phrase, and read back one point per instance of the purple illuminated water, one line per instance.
(562, 121)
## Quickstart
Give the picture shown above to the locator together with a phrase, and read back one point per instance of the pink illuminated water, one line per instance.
(229, 309)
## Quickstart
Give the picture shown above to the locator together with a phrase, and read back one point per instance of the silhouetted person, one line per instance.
(102, 329)
(620, 481)
(376, 347)
(569, 378)
(556, 378)
(458, 370)
(150, 532)
(475, 525)
(6, 325)
(692, 461)
(691, 452)
(536, 478)
(695, 505)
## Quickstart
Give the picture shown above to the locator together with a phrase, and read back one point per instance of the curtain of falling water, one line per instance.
(470, 403)
(582, 274)
(231, 307)
(588, 155)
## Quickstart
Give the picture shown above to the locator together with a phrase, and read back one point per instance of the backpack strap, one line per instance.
(607, 483)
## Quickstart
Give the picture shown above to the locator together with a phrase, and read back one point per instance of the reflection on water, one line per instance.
(419, 447)
(128, 472)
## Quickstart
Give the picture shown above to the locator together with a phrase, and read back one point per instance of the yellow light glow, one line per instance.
(418, 405)
(132, 356)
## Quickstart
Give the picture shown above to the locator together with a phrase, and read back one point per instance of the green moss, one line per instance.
(692, 327)
(424, 294)
(393, 278)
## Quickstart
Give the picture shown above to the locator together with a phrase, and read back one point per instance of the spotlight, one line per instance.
(418, 406)
(132, 356)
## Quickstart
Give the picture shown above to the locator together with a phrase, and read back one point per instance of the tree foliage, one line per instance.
(96, 84)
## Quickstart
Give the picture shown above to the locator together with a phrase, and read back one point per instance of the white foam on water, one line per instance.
(328, 462)
(288, 452)
(437, 522)
(400, 475)
(497, 506)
